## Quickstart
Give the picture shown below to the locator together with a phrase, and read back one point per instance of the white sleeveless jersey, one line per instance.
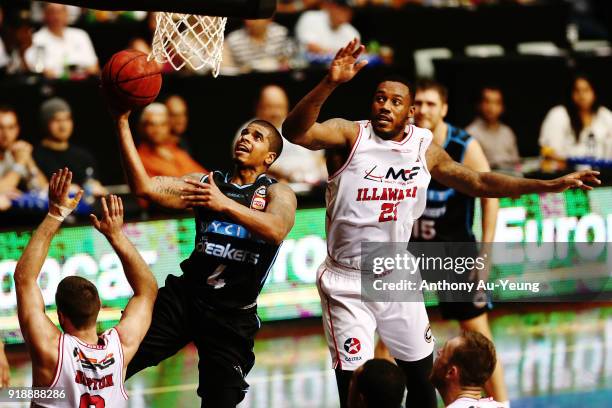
(91, 375)
(377, 194)
(475, 403)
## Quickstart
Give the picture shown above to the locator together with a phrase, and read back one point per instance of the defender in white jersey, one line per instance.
(90, 368)
(375, 195)
(463, 366)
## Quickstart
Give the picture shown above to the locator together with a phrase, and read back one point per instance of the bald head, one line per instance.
(272, 105)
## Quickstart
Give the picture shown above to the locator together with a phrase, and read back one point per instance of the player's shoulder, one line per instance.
(420, 132)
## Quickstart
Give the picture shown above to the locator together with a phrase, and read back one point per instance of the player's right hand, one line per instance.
(59, 187)
(112, 217)
(345, 66)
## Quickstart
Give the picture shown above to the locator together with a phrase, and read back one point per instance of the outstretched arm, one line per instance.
(489, 184)
(136, 317)
(301, 126)
(164, 191)
(40, 334)
(272, 225)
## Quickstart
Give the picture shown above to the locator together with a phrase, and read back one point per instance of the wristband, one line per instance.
(56, 217)
(64, 211)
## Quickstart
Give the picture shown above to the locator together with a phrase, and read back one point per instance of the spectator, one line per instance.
(496, 138)
(19, 40)
(17, 167)
(55, 151)
(297, 164)
(377, 384)
(160, 155)
(4, 59)
(178, 118)
(61, 49)
(463, 366)
(327, 30)
(261, 45)
(580, 128)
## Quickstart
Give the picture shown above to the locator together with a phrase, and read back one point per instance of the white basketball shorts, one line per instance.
(350, 324)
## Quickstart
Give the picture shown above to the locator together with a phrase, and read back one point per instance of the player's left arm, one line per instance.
(476, 160)
(490, 184)
(272, 225)
(40, 334)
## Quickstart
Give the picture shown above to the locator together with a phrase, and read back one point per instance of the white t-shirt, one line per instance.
(465, 402)
(74, 48)
(558, 134)
(314, 27)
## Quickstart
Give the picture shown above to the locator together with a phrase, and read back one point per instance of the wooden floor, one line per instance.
(553, 355)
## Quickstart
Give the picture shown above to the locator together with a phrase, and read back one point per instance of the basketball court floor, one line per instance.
(555, 357)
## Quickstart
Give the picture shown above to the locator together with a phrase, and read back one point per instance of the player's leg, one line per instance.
(348, 324)
(496, 386)
(169, 331)
(404, 328)
(225, 345)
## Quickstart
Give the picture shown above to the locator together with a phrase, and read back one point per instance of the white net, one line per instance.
(186, 39)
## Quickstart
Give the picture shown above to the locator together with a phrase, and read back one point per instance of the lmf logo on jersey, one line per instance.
(406, 175)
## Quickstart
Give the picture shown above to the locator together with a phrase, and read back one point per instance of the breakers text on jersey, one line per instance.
(227, 252)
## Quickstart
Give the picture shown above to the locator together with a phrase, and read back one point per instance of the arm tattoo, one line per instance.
(167, 185)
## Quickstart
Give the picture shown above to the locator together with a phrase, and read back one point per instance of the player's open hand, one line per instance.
(583, 180)
(60, 203)
(112, 217)
(345, 66)
(205, 195)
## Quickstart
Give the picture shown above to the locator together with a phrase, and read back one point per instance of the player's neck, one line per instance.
(88, 335)
(54, 144)
(453, 393)
(440, 133)
(244, 175)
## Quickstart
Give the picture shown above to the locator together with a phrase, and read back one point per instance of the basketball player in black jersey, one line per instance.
(241, 220)
(449, 215)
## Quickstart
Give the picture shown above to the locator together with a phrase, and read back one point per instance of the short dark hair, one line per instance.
(77, 299)
(427, 84)
(490, 87)
(400, 79)
(276, 140)
(381, 383)
(475, 357)
(7, 109)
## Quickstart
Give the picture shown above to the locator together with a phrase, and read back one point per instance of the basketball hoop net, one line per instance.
(187, 39)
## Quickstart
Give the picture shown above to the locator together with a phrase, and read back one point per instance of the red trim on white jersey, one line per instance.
(407, 137)
(331, 323)
(348, 160)
(122, 364)
(60, 356)
(92, 346)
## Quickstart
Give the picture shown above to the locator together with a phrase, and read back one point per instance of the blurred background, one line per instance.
(537, 70)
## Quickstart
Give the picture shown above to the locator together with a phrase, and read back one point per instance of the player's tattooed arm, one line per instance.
(167, 191)
(490, 184)
(272, 225)
(164, 191)
(301, 127)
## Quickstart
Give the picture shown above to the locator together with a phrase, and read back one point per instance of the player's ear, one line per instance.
(270, 157)
(411, 111)
(444, 109)
(452, 372)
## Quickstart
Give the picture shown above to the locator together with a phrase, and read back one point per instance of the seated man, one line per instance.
(495, 137)
(63, 361)
(377, 384)
(327, 30)
(17, 167)
(60, 49)
(464, 365)
(178, 118)
(160, 154)
(55, 150)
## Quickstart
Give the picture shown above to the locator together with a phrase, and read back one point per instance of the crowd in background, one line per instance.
(40, 39)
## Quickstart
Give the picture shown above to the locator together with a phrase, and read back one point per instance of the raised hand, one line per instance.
(60, 203)
(345, 66)
(112, 217)
(575, 180)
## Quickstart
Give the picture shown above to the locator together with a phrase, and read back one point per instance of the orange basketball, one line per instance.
(130, 80)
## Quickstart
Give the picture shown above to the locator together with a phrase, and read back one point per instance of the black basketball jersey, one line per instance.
(449, 215)
(229, 264)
